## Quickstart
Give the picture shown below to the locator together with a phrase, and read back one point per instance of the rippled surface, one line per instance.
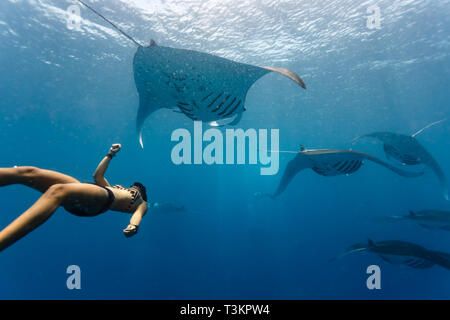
(278, 30)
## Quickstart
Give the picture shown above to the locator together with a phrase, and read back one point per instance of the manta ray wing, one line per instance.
(392, 152)
(426, 226)
(441, 258)
(388, 259)
(411, 261)
(288, 73)
(403, 173)
(347, 162)
(292, 168)
(203, 86)
(409, 151)
(432, 163)
(418, 263)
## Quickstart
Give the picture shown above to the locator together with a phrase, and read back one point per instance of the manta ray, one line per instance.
(408, 151)
(329, 162)
(402, 252)
(165, 207)
(429, 219)
(202, 86)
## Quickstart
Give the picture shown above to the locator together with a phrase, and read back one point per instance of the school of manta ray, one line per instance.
(211, 89)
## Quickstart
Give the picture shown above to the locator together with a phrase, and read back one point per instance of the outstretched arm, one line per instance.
(135, 220)
(99, 175)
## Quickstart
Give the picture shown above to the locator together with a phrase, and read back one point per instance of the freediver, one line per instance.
(80, 199)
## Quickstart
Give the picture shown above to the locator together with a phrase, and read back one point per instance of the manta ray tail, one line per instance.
(279, 151)
(356, 248)
(363, 136)
(112, 24)
(383, 221)
(260, 195)
(356, 139)
(428, 126)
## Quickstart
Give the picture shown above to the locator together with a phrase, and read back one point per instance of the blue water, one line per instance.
(67, 95)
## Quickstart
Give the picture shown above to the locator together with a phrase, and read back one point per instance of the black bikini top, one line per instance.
(135, 195)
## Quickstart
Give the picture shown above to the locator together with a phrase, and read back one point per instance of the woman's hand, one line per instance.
(131, 230)
(114, 149)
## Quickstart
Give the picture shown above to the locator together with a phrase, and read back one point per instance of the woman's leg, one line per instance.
(39, 179)
(58, 194)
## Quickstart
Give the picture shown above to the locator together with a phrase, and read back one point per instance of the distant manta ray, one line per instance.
(202, 86)
(165, 207)
(429, 219)
(402, 252)
(408, 151)
(328, 162)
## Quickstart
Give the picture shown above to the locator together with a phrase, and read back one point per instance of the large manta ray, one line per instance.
(200, 85)
(401, 252)
(328, 162)
(408, 151)
(429, 219)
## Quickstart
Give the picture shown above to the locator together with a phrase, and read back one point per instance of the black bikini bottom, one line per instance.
(84, 212)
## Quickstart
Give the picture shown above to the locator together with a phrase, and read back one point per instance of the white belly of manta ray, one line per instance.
(235, 147)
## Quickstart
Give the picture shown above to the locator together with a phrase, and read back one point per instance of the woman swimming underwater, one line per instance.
(81, 199)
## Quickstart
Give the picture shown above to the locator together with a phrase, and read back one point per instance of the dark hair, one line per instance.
(142, 189)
